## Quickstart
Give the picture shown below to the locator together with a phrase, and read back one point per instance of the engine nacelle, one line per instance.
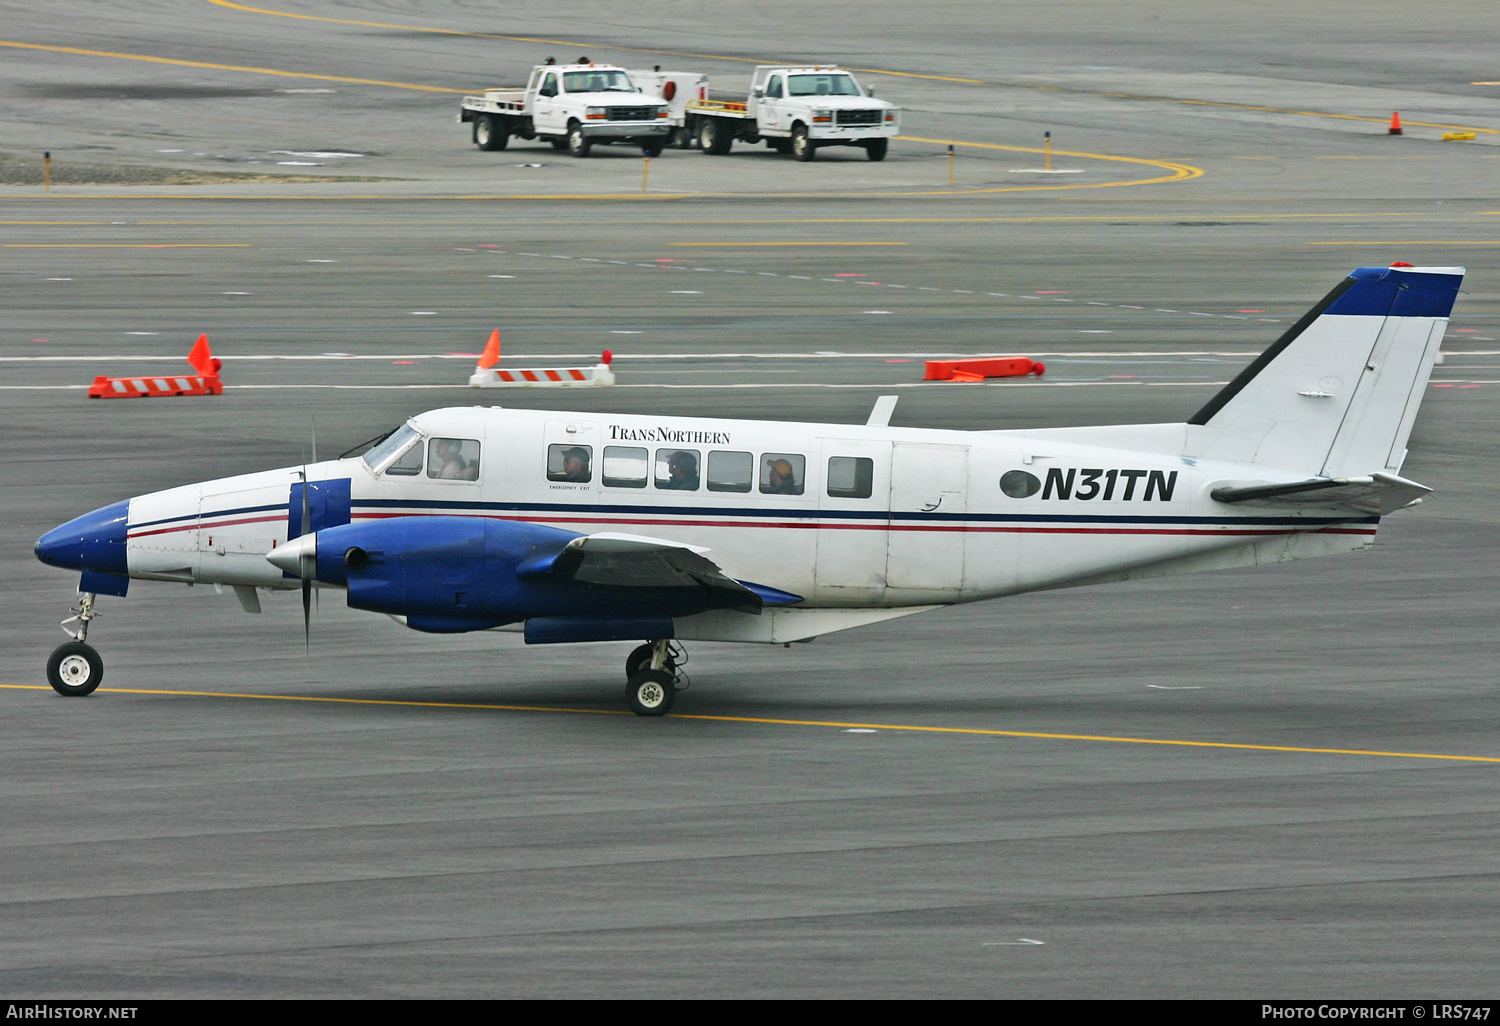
(453, 574)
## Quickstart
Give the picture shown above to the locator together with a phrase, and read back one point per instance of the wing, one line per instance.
(1377, 494)
(634, 561)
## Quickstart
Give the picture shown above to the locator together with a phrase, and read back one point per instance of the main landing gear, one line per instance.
(75, 667)
(653, 677)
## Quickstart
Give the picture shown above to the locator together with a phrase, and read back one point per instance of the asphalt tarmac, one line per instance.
(1270, 783)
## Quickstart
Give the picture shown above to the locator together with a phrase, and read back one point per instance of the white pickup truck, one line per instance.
(573, 106)
(796, 111)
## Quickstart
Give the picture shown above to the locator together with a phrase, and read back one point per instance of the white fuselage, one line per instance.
(918, 517)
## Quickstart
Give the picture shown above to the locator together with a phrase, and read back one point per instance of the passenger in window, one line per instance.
(446, 462)
(575, 466)
(682, 472)
(780, 479)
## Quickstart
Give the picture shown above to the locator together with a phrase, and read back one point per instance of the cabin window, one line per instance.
(851, 477)
(773, 91)
(782, 473)
(730, 471)
(677, 469)
(1018, 484)
(453, 459)
(596, 82)
(549, 85)
(570, 463)
(624, 466)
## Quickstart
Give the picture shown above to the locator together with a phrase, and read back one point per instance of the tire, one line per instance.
(682, 138)
(489, 133)
(714, 138)
(75, 669)
(780, 145)
(803, 148)
(652, 148)
(559, 144)
(640, 659)
(875, 148)
(578, 143)
(650, 693)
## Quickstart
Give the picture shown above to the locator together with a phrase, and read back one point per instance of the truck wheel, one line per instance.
(559, 143)
(652, 148)
(489, 134)
(803, 148)
(682, 138)
(714, 137)
(875, 148)
(780, 145)
(578, 143)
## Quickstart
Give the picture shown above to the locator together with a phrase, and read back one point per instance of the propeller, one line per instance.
(307, 562)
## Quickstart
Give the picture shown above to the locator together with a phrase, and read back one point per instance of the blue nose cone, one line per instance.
(94, 541)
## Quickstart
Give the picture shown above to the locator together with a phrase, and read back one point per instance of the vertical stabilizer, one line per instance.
(1338, 393)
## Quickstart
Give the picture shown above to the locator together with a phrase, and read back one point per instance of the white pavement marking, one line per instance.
(822, 354)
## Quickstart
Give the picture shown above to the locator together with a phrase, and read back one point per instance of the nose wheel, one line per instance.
(74, 667)
(652, 678)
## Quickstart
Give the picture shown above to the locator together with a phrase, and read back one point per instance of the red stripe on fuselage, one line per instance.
(196, 525)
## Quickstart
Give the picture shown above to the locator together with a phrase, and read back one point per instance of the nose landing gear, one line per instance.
(653, 678)
(75, 667)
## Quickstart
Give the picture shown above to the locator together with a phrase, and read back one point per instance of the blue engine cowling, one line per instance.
(453, 574)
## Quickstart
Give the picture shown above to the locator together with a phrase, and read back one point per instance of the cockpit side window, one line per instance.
(409, 464)
(453, 459)
(377, 458)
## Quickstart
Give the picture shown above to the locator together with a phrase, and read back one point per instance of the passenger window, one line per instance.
(773, 91)
(570, 463)
(677, 469)
(453, 459)
(730, 471)
(549, 85)
(782, 473)
(850, 477)
(624, 466)
(409, 465)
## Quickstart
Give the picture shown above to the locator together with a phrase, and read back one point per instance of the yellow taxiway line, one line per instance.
(227, 67)
(1414, 242)
(127, 245)
(558, 42)
(838, 724)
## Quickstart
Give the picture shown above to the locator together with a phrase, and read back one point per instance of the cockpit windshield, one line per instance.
(822, 85)
(597, 82)
(378, 457)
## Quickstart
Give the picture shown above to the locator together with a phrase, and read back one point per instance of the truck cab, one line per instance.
(799, 110)
(574, 107)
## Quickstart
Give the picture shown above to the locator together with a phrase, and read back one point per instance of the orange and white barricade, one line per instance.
(488, 375)
(205, 380)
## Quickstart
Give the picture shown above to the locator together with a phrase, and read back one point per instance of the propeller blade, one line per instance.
(308, 564)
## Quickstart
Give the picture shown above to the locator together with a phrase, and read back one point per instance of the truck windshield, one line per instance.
(822, 85)
(597, 82)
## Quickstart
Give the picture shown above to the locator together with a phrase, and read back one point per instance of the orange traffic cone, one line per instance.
(1395, 128)
(491, 354)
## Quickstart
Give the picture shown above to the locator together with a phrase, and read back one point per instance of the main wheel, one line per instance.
(489, 134)
(578, 143)
(714, 138)
(650, 693)
(640, 659)
(803, 148)
(75, 669)
(559, 144)
(875, 148)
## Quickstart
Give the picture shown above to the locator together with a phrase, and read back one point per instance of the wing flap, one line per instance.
(1377, 495)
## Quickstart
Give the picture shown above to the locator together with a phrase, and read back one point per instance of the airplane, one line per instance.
(585, 527)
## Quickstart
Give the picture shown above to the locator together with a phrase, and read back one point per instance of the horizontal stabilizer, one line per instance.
(1377, 495)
